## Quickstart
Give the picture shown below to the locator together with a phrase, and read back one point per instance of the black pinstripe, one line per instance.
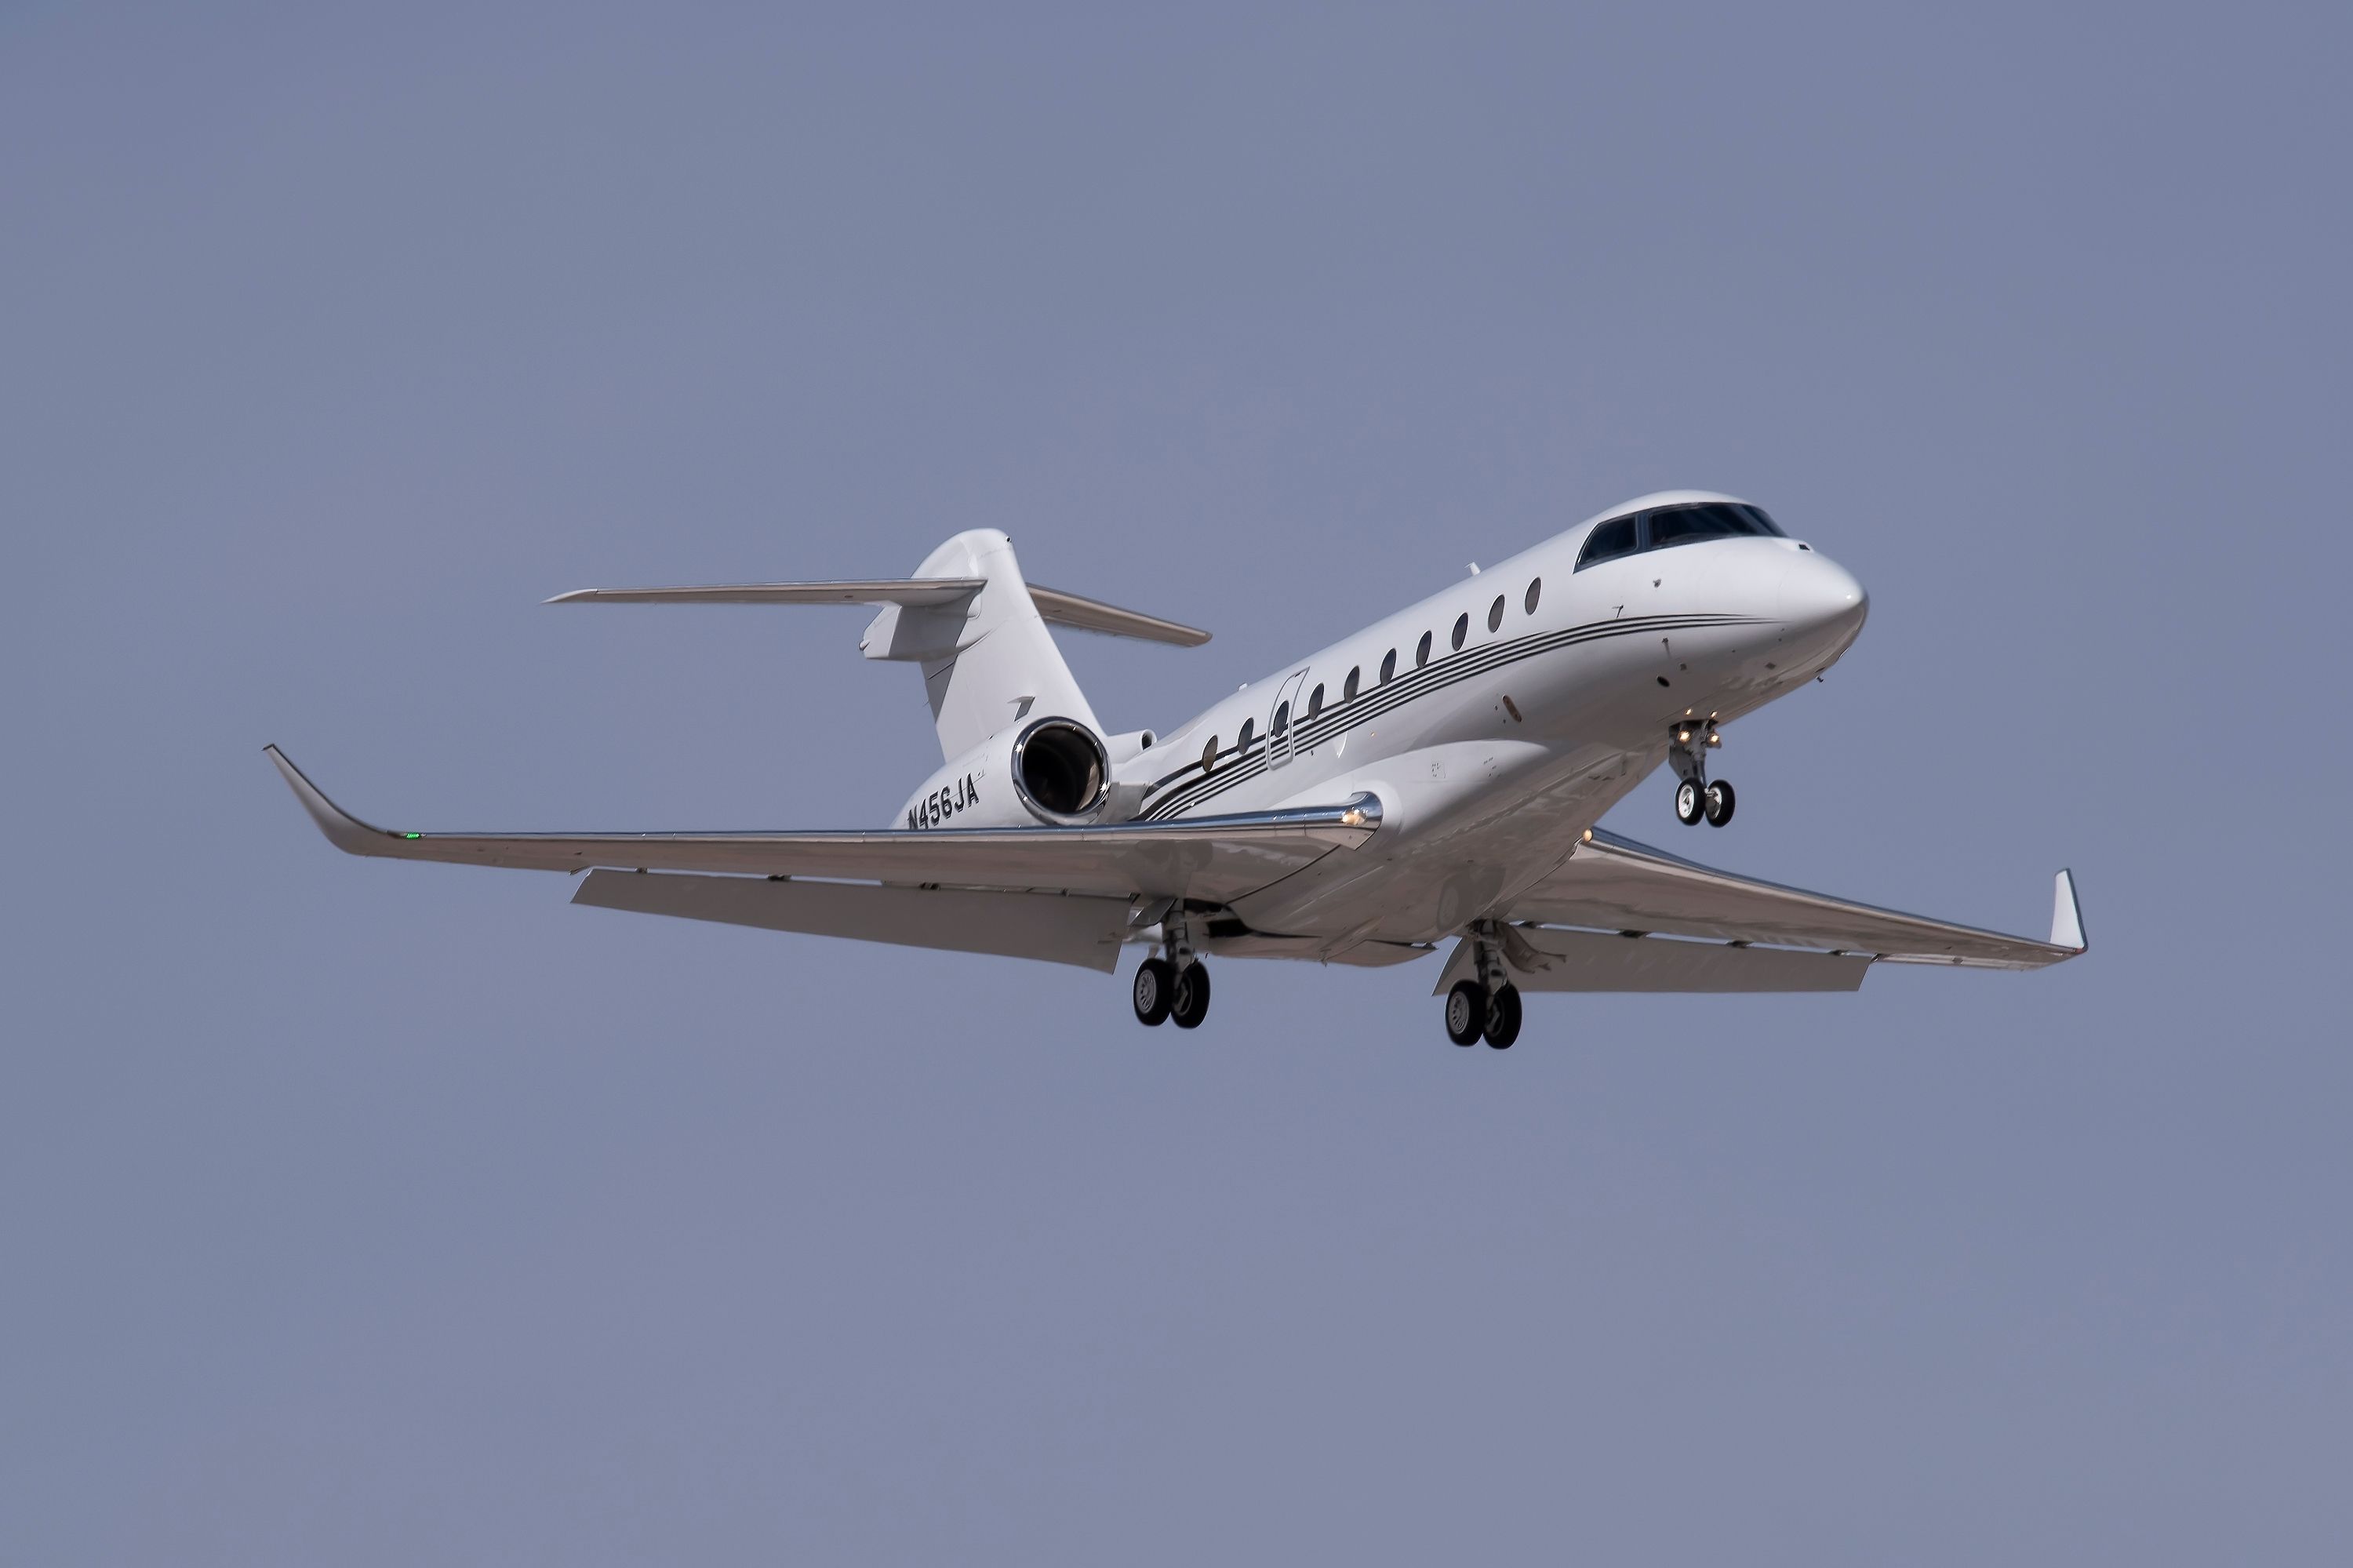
(1192, 784)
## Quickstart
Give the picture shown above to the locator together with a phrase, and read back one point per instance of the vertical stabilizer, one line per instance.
(989, 662)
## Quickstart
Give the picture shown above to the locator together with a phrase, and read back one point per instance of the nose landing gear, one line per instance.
(1488, 1006)
(1696, 798)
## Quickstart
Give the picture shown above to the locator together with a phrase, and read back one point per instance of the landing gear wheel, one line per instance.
(1719, 804)
(1188, 997)
(1503, 1017)
(1466, 1012)
(1691, 801)
(1156, 985)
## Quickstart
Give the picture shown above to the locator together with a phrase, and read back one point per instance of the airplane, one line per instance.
(1434, 778)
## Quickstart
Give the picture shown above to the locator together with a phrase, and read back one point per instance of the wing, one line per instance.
(1217, 859)
(1755, 936)
(1057, 927)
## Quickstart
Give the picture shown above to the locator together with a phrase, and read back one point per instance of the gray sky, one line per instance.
(361, 1214)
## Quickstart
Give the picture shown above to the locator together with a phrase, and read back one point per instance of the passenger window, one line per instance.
(1349, 687)
(1209, 755)
(1315, 700)
(1421, 652)
(1462, 628)
(1609, 541)
(1495, 614)
(1535, 591)
(1281, 720)
(1242, 741)
(1389, 666)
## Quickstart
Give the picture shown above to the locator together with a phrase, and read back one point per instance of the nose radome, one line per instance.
(1820, 595)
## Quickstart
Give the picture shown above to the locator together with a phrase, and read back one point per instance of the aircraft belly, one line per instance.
(1475, 825)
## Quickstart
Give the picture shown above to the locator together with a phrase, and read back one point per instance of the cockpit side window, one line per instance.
(1619, 536)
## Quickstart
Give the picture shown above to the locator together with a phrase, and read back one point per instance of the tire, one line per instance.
(1720, 801)
(1691, 801)
(1188, 998)
(1155, 988)
(1503, 1017)
(1466, 1013)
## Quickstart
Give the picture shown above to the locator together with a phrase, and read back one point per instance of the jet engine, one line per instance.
(1060, 771)
(1053, 770)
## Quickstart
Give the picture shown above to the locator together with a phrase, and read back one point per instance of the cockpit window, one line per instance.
(1713, 520)
(1670, 526)
(1619, 536)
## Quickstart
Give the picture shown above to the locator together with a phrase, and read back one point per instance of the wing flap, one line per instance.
(1543, 959)
(1211, 858)
(1050, 926)
(1613, 884)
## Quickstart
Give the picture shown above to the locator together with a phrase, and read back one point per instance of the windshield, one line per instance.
(1712, 520)
(1670, 526)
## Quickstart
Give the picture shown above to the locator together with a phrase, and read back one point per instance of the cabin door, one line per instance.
(1282, 721)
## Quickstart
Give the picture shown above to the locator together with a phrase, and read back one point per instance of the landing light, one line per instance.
(1589, 835)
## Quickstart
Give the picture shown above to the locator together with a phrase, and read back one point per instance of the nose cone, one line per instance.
(1821, 601)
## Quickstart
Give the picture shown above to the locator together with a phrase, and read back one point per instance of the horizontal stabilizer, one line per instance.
(1093, 615)
(1046, 926)
(1073, 610)
(917, 591)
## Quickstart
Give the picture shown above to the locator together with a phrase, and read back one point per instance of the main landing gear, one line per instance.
(1488, 1005)
(1164, 992)
(1175, 987)
(1696, 798)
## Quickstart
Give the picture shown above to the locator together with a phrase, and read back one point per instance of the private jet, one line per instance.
(1432, 782)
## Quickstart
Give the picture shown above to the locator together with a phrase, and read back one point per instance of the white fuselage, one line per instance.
(1490, 759)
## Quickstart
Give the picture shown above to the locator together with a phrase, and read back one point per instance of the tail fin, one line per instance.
(988, 660)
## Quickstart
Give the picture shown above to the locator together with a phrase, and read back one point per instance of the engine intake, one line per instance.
(1061, 772)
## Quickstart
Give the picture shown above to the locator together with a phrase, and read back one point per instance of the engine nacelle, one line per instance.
(1052, 770)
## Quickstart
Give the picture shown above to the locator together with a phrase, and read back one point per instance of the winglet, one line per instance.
(2066, 914)
(344, 831)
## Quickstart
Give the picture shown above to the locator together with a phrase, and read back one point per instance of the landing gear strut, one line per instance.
(1696, 798)
(1488, 1005)
(1174, 986)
